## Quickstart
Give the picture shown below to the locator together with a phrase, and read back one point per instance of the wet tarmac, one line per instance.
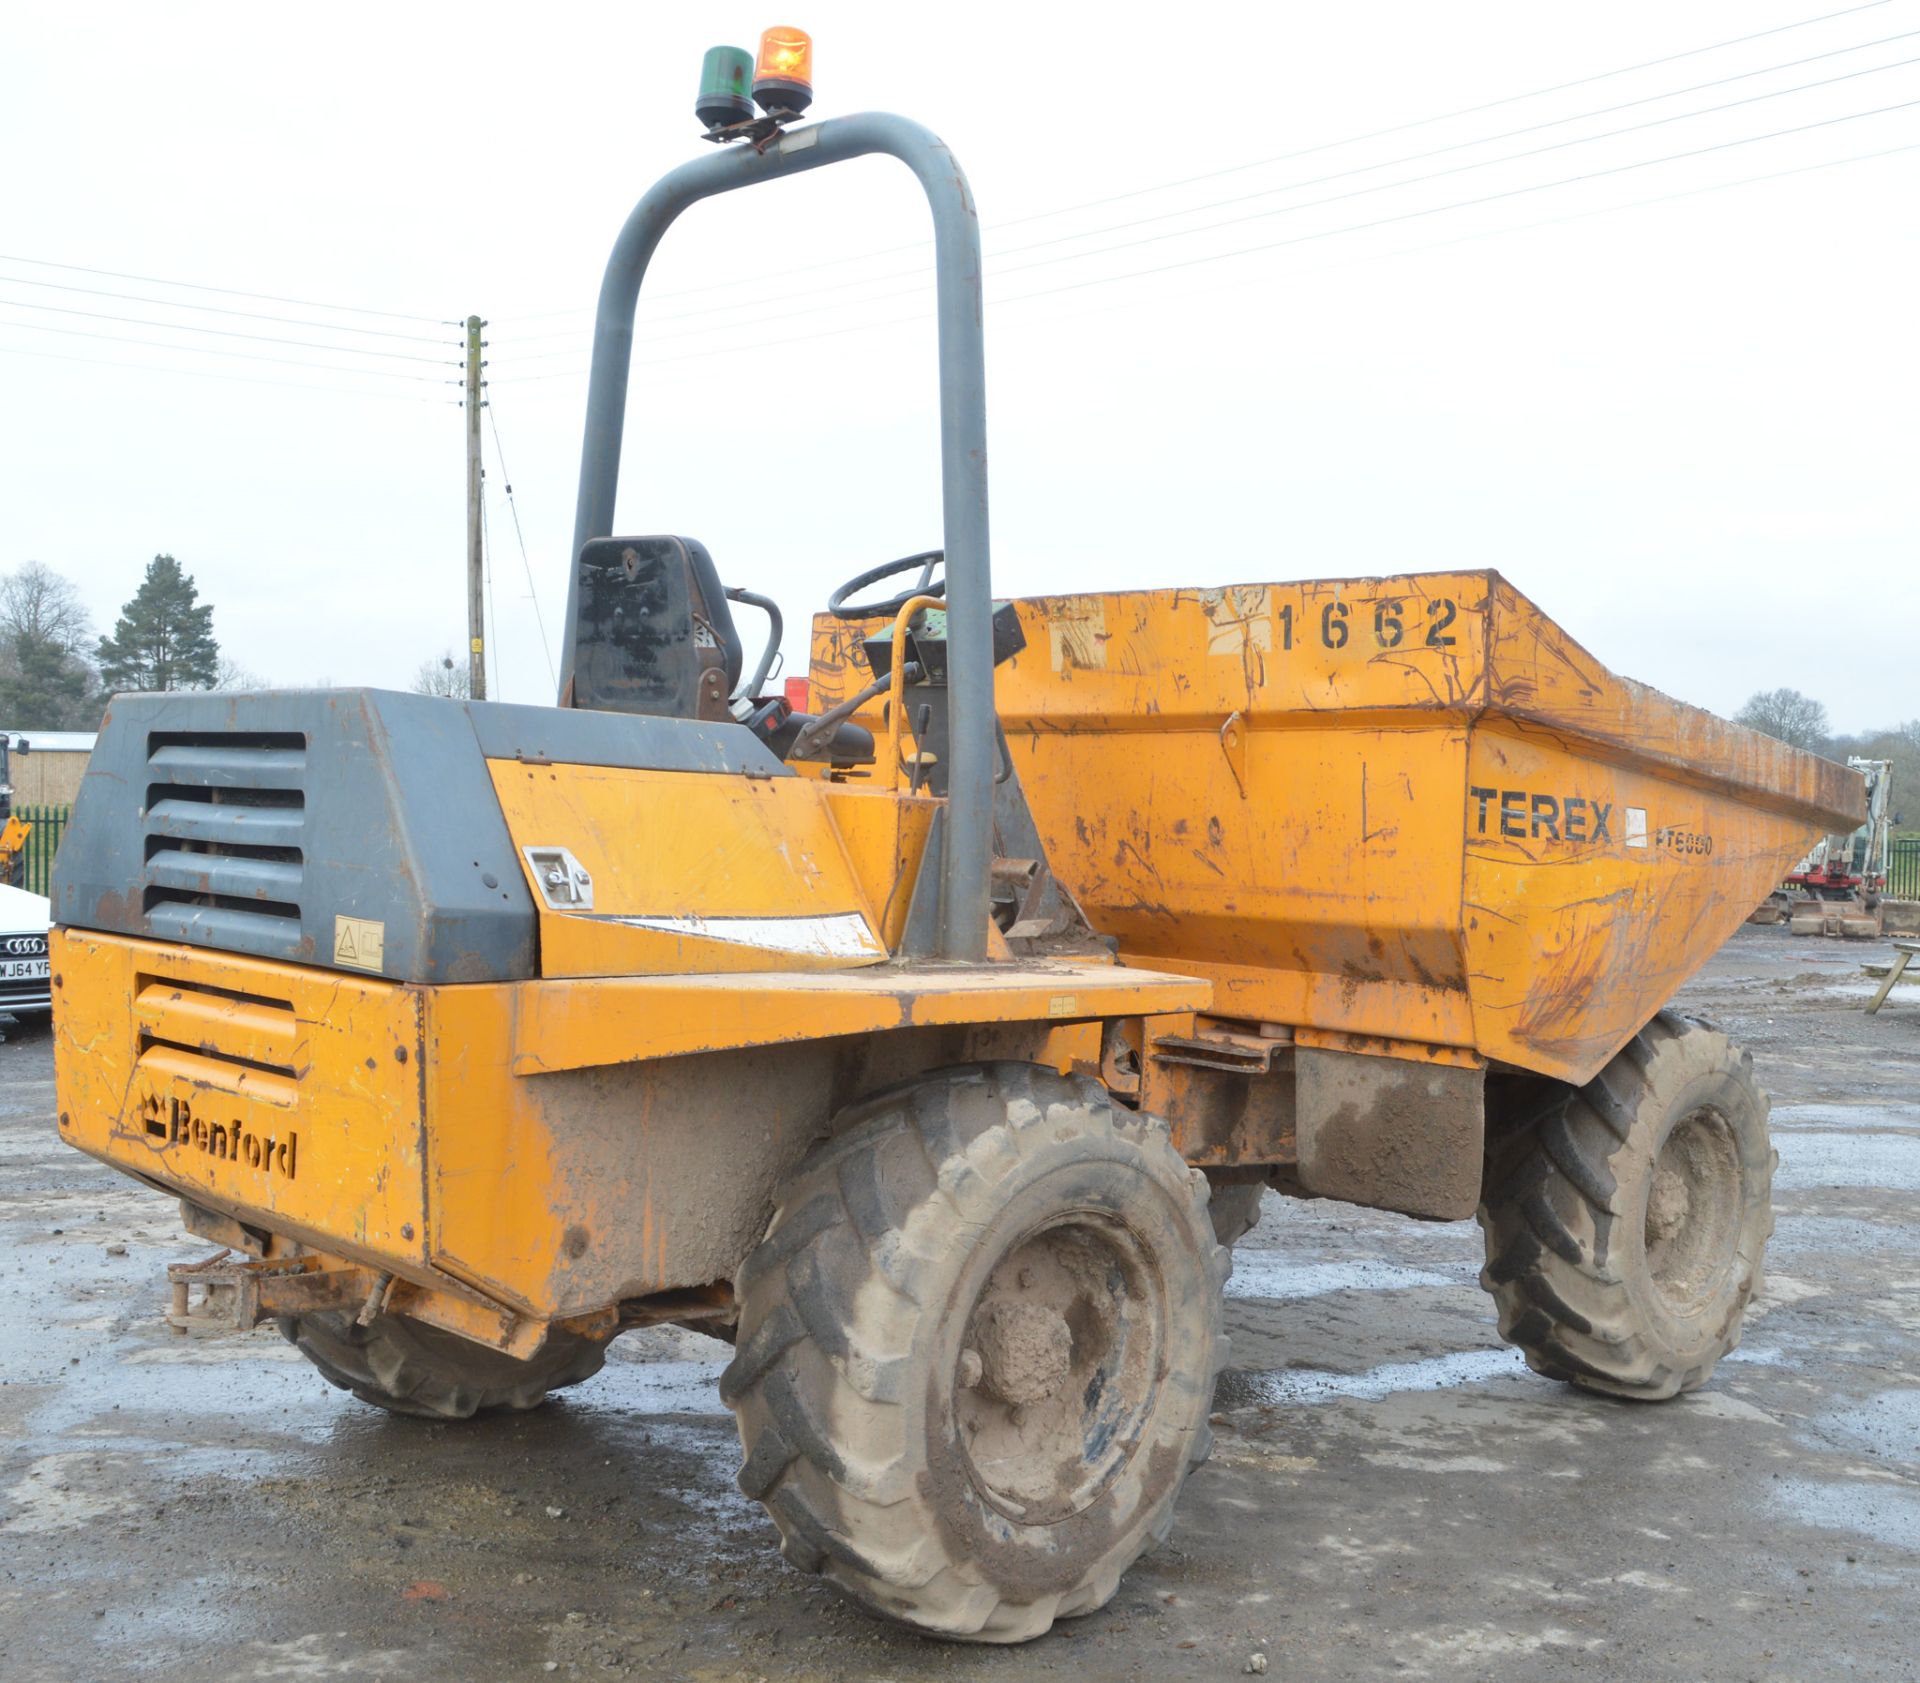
(1394, 1494)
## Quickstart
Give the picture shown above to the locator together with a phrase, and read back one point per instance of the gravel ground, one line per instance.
(1394, 1494)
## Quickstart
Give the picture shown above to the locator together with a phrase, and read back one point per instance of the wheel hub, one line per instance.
(1693, 1210)
(1059, 1367)
(1667, 1206)
(1025, 1351)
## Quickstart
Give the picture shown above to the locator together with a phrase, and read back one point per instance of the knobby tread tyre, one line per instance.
(407, 1367)
(852, 1314)
(1572, 1215)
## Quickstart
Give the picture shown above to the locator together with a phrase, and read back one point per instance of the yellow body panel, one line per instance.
(691, 873)
(286, 1097)
(558, 1146)
(1275, 787)
(884, 835)
(555, 1027)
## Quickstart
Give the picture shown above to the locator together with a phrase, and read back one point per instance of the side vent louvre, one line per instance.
(225, 839)
(214, 1040)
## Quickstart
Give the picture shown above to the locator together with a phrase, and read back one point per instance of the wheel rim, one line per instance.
(1057, 1373)
(1693, 1210)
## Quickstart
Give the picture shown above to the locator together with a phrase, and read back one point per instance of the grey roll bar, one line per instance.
(967, 843)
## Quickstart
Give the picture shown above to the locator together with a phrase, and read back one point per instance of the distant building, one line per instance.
(45, 766)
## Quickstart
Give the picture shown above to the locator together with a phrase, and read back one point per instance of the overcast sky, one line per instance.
(1264, 348)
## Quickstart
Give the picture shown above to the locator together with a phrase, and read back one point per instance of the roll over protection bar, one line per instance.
(961, 927)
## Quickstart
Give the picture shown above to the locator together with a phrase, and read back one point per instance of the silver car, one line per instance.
(26, 986)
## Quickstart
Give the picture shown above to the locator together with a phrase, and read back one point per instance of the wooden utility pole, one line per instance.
(476, 559)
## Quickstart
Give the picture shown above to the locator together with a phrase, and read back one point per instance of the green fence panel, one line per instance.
(1903, 869)
(49, 824)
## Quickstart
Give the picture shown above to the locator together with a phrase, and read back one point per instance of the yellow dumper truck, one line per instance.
(932, 1044)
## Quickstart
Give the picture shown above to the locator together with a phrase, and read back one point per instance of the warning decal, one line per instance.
(359, 942)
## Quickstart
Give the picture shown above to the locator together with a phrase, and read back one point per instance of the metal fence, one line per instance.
(1903, 868)
(49, 824)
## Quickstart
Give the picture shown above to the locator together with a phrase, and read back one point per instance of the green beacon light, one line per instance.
(726, 87)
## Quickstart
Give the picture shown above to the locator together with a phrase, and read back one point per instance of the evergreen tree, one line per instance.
(164, 637)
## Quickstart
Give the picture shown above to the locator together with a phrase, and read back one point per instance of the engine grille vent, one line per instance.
(215, 1038)
(225, 838)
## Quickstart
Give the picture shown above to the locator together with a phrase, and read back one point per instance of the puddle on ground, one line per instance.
(1885, 1425)
(1851, 1118)
(77, 1489)
(1273, 1276)
(666, 1387)
(1818, 1238)
(1890, 1161)
(1888, 1513)
(1239, 1389)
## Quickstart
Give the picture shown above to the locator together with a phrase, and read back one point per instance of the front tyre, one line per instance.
(1625, 1228)
(977, 1349)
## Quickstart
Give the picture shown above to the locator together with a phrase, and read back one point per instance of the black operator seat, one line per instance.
(656, 636)
(711, 606)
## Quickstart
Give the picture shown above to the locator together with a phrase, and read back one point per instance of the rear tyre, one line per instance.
(1626, 1226)
(977, 1349)
(408, 1367)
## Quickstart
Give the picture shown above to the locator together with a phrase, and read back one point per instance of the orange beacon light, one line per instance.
(783, 73)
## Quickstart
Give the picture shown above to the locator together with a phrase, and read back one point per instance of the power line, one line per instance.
(1329, 233)
(1277, 158)
(1464, 111)
(1514, 134)
(919, 282)
(513, 508)
(215, 350)
(224, 291)
(1499, 233)
(1458, 169)
(210, 374)
(1484, 199)
(218, 332)
(219, 309)
(1336, 198)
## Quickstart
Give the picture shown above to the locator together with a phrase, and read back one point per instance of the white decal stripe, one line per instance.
(841, 935)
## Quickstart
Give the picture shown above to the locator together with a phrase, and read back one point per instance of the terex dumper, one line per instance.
(933, 1046)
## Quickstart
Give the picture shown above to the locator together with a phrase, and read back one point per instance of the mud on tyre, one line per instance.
(1626, 1225)
(977, 1350)
(407, 1367)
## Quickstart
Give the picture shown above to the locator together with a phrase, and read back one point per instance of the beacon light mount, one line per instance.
(779, 79)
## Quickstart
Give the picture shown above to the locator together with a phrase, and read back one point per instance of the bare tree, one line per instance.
(47, 680)
(443, 675)
(231, 675)
(1793, 718)
(39, 606)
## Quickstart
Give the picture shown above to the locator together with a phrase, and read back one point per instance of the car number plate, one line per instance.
(24, 969)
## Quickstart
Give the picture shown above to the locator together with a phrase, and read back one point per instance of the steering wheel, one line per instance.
(927, 560)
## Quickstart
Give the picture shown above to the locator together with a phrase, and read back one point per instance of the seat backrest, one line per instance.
(712, 605)
(656, 633)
